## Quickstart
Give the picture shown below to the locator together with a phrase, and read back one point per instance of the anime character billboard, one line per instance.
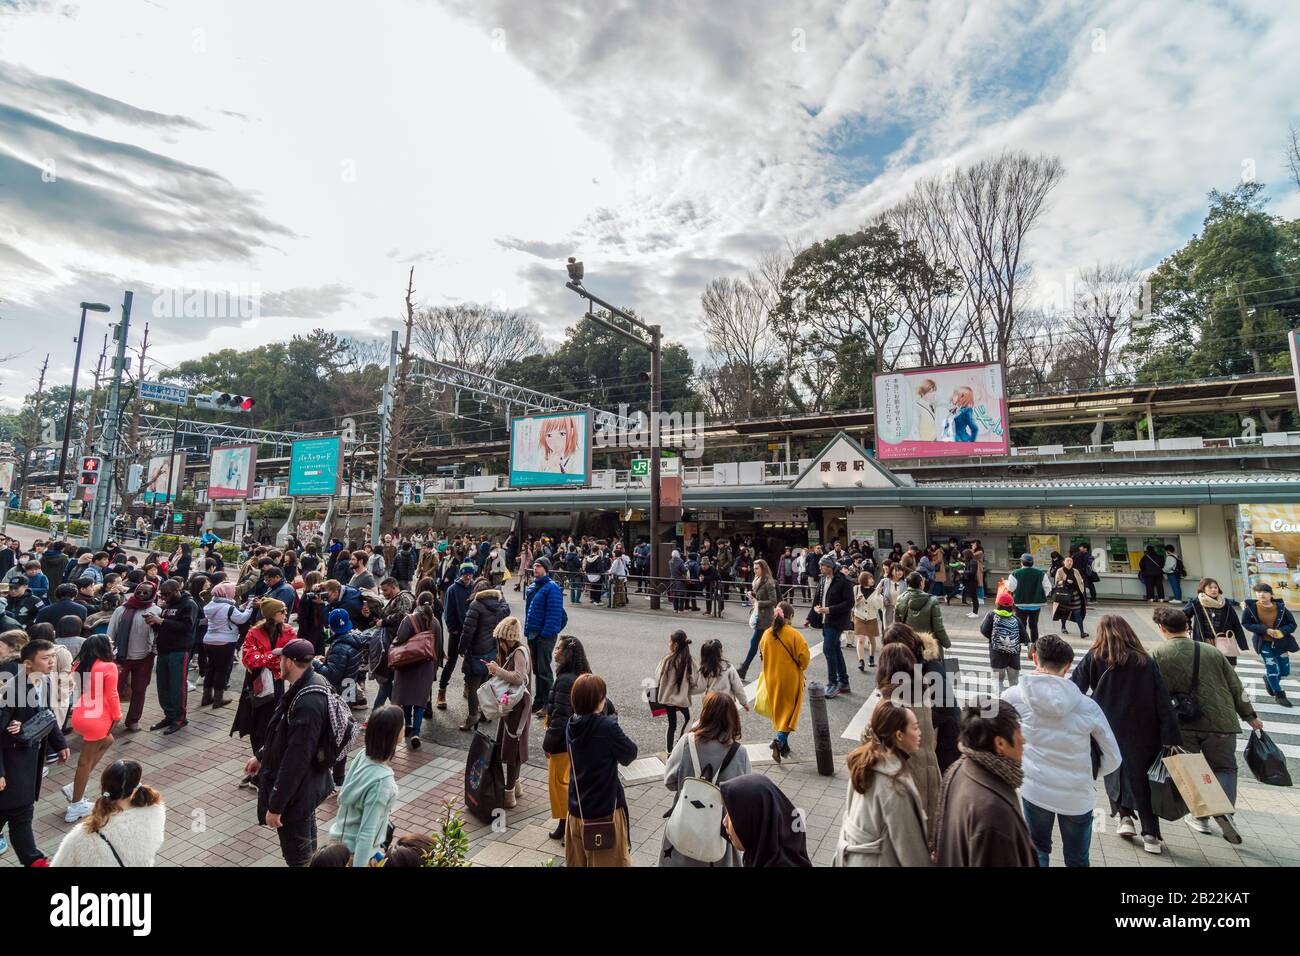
(231, 472)
(552, 449)
(951, 412)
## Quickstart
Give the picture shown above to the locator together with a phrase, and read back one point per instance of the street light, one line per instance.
(72, 395)
(655, 347)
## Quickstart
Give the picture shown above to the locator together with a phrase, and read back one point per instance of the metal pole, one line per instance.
(72, 399)
(655, 399)
(377, 508)
(104, 490)
(171, 468)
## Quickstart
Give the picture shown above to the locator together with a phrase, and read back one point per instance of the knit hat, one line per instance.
(1006, 600)
(467, 568)
(270, 607)
(544, 563)
(340, 622)
(826, 562)
(509, 630)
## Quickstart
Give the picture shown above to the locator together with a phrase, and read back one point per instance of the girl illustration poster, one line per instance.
(549, 450)
(952, 411)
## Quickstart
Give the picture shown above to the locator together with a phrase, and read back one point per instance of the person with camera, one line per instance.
(291, 778)
(27, 728)
(1208, 700)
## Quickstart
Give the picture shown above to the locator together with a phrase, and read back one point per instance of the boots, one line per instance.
(558, 832)
(219, 699)
(207, 697)
(469, 722)
(442, 698)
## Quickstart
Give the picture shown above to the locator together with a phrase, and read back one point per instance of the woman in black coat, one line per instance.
(1151, 571)
(1127, 686)
(570, 664)
(1211, 614)
(1070, 596)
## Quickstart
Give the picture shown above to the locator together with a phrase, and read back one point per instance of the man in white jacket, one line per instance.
(1060, 724)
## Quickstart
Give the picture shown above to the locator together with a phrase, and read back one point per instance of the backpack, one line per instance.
(342, 730)
(694, 827)
(1006, 634)
(377, 653)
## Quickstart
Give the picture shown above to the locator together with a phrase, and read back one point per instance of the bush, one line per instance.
(167, 543)
(76, 527)
(269, 509)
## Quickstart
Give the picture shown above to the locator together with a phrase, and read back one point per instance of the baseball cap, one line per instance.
(340, 621)
(1026, 558)
(296, 650)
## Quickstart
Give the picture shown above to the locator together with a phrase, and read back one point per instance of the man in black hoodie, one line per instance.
(175, 629)
(291, 779)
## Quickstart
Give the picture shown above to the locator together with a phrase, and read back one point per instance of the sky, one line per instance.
(253, 170)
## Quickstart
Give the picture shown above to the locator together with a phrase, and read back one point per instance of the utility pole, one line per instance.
(385, 412)
(104, 490)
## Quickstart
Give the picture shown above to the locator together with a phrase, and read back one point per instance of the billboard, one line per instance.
(550, 450)
(159, 484)
(231, 472)
(951, 412)
(7, 475)
(315, 466)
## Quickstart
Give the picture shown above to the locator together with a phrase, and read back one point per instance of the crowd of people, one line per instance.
(323, 631)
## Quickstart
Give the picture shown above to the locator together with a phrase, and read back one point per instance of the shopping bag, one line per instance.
(1198, 786)
(1266, 761)
(1166, 802)
(762, 706)
(485, 783)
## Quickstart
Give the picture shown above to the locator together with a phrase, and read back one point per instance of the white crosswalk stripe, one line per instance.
(975, 677)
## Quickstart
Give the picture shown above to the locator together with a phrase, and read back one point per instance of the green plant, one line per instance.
(269, 509)
(450, 844)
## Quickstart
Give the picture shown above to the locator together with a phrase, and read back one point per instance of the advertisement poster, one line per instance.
(6, 475)
(231, 472)
(1041, 547)
(314, 466)
(950, 412)
(1270, 548)
(550, 450)
(159, 484)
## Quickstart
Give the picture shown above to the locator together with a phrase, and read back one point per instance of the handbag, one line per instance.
(36, 728)
(498, 697)
(1186, 707)
(597, 834)
(1166, 802)
(1224, 641)
(419, 648)
(263, 685)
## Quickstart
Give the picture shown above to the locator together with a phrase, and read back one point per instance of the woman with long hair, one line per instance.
(570, 660)
(96, 711)
(413, 684)
(933, 691)
(514, 667)
(675, 678)
(597, 747)
(884, 820)
(764, 595)
(715, 741)
(868, 606)
(1213, 619)
(1126, 683)
(785, 658)
(126, 825)
(719, 675)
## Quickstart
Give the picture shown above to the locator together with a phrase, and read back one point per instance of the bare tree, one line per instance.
(1293, 154)
(1034, 348)
(933, 294)
(401, 416)
(30, 429)
(477, 338)
(1101, 318)
(738, 339)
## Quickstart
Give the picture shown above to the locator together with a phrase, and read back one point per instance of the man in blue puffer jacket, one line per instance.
(544, 618)
(343, 658)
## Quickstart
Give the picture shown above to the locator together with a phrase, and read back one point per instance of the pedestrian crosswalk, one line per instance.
(652, 768)
(975, 677)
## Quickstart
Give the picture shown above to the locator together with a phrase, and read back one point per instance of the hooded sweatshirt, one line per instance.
(365, 801)
(1059, 723)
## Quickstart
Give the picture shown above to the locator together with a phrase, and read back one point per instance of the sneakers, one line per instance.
(67, 792)
(78, 811)
(161, 724)
(862, 666)
(191, 686)
(413, 742)
(844, 688)
(832, 692)
(1283, 699)
(1229, 831)
(1151, 844)
(1127, 828)
(871, 661)
(1200, 826)
(247, 784)
(972, 614)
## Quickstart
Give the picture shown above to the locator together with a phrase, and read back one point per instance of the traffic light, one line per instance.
(225, 402)
(89, 476)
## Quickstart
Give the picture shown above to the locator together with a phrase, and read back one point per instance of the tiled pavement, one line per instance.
(212, 823)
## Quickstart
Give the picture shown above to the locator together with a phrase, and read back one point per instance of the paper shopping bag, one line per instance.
(762, 706)
(1198, 786)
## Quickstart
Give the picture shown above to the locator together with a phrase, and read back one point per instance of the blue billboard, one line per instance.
(315, 466)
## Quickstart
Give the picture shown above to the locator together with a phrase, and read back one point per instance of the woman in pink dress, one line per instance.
(93, 716)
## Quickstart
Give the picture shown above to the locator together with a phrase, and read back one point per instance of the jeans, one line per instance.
(753, 647)
(1276, 666)
(381, 696)
(1076, 834)
(1220, 752)
(414, 718)
(298, 840)
(575, 588)
(542, 648)
(19, 821)
(1175, 587)
(1029, 617)
(1077, 618)
(836, 671)
(171, 684)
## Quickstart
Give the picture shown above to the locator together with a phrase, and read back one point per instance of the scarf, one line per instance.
(1207, 601)
(1005, 769)
(122, 637)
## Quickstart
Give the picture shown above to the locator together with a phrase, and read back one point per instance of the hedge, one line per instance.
(167, 543)
(34, 519)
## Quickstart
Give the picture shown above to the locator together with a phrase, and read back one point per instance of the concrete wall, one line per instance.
(1209, 553)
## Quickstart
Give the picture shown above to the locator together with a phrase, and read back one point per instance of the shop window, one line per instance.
(1016, 546)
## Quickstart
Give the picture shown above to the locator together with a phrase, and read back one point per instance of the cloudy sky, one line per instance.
(308, 153)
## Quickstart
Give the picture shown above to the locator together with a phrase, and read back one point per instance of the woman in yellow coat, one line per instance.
(785, 658)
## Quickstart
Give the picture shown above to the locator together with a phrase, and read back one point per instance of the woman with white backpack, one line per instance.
(703, 759)
(514, 668)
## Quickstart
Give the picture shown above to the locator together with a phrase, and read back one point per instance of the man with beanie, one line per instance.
(832, 609)
(543, 620)
(457, 601)
(343, 657)
(291, 779)
(175, 628)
